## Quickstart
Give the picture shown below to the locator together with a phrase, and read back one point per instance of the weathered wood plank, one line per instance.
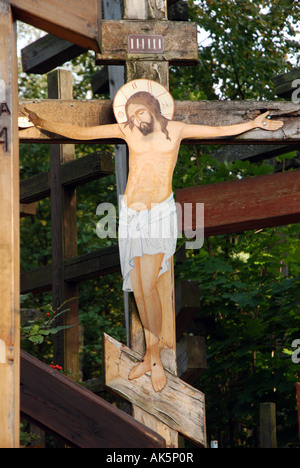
(145, 9)
(77, 269)
(99, 112)
(27, 209)
(34, 188)
(9, 235)
(180, 41)
(47, 53)
(74, 173)
(178, 405)
(191, 358)
(285, 85)
(77, 22)
(187, 303)
(239, 205)
(64, 237)
(268, 438)
(78, 416)
(251, 153)
(92, 265)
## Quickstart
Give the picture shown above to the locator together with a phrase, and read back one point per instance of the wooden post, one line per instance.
(268, 425)
(64, 236)
(9, 234)
(157, 71)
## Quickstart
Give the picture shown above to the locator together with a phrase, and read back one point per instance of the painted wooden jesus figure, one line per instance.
(147, 232)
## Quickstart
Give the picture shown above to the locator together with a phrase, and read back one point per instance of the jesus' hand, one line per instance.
(262, 122)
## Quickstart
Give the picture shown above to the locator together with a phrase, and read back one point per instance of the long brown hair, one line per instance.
(146, 99)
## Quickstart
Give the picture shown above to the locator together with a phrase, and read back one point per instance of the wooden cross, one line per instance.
(82, 26)
(146, 48)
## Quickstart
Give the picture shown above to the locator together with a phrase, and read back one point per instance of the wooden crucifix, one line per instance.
(144, 111)
(148, 227)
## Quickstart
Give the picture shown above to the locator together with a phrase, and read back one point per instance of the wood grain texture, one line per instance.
(77, 22)
(64, 236)
(215, 113)
(180, 41)
(73, 173)
(157, 69)
(178, 405)
(78, 416)
(47, 53)
(84, 267)
(250, 203)
(9, 236)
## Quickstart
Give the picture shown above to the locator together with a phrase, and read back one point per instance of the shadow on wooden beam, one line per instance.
(75, 414)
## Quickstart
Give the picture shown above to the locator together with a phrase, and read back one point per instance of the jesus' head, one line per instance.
(141, 110)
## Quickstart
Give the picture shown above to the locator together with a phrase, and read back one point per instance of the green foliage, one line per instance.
(250, 313)
(36, 331)
(249, 42)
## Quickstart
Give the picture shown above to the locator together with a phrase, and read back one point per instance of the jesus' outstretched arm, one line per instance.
(76, 132)
(206, 131)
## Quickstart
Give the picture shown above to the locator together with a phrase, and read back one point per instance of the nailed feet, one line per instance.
(151, 363)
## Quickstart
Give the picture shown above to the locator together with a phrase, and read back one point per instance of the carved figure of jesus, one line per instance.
(144, 112)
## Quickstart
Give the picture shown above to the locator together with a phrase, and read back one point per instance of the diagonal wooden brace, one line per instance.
(178, 405)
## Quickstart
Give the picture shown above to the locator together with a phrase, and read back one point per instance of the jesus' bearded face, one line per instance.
(141, 118)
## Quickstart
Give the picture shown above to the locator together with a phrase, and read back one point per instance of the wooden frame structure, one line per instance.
(82, 27)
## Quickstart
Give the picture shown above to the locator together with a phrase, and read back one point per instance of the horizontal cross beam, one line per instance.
(77, 22)
(216, 113)
(47, 53)
(250, 203)
(251, 153)
(76, 269)
(178, 405)
(74, 173)
(233, 206)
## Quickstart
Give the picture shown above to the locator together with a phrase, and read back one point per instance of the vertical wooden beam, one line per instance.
(268, 437)
(64, 235)
(9, 234)
(112, 10)
(157, 71)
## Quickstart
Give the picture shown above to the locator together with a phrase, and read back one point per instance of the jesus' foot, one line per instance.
(153, 364)
(158, 377)
(141, 369)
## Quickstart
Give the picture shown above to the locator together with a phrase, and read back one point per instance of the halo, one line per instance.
(160, 92)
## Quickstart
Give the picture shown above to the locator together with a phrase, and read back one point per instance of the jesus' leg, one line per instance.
(144, 283)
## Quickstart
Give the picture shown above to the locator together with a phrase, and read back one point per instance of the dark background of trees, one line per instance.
(249, 281)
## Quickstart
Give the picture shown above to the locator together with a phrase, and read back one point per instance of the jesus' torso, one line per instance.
(152, 160)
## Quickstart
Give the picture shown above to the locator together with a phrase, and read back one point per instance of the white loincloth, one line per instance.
(146, 232)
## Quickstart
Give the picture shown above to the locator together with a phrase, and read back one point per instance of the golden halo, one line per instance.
(167, 104)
